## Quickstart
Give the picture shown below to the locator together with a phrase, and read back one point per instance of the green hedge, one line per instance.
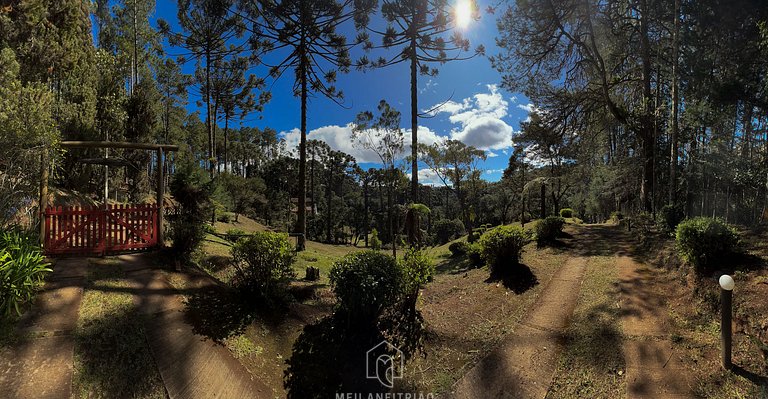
(264, 265)
(549, 228)
(566, 213)
(703, 241)
(503, 246)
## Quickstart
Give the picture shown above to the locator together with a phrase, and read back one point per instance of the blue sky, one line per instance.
(478, 112)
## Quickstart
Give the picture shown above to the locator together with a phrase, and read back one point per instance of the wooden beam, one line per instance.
(43, 200)
(110, 144)
(160, 196)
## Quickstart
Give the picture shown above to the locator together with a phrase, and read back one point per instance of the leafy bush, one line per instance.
(566, 213)
(22, 269)
(263, 262)
(224, 218)
(446, 230)
(234, 235)
(669, 217)
(503, 246)
(549, 228)
(187, 226)
(417, 268)
(375, 241)
(616, 217)
(702, 241)
(475, 254)
(458, 248)
(365, 283)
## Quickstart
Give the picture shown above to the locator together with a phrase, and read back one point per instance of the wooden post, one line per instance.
(160, 196)
(43, 200)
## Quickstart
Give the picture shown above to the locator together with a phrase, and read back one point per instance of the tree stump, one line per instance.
(312, 274)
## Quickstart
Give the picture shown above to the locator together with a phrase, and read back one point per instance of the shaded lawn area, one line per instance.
(112, 358)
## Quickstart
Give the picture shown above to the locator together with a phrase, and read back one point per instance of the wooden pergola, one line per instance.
(160, 149)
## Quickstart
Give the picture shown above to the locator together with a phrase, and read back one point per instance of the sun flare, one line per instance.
(463, 13)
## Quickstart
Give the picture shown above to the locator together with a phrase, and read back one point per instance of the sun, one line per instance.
(463, 13)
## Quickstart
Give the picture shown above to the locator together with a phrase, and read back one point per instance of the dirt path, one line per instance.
(40, 364)
(654, 370)
(524, 364)
(190, 365)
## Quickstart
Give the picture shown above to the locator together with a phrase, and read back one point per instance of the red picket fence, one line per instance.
(99, 230)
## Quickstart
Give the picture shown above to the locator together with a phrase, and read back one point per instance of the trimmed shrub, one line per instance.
(475, 254)
(234, 235)
(375, 242)
(458, 248)
(224, 218)
(549, 228)
(365, 283)
(22, 269)
(417, 268)
(503, 246)
(669, 217)
(263, 262)
(566, 213)
(702, 241)
(446, 230)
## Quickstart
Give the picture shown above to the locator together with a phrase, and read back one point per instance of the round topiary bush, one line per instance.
(475, 254)
(549, 228)
(458, 248)
(264, 265)
(502, 247)
(365, 283)
(566, 213)
(446, 229)
(702, 241)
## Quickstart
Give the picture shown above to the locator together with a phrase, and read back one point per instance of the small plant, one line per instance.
(503, 246)
(566, 213)
(22, 269)
(375, 241)
(263, 262)
(616, 217)
(458, 248)
(702, 241)
(365, 283)
(233, 235)
(417, 268)
(475, 254)
(549, 228)
(224, 218)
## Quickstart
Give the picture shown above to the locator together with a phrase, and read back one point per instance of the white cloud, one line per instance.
(493, 171)
(428, 177)
(491, 154)
(480, 120)
(340, 138)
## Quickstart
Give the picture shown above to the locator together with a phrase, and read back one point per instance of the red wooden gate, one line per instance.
(100, 230)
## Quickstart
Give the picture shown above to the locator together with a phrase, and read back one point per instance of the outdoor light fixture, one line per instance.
(726, 297)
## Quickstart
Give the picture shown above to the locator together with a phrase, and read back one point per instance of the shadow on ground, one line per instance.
(519, 279)
(218, 313)
(114, 358)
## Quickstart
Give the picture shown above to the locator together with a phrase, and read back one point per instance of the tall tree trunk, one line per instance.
(367, 222)
(328, 198)
(646, 128)
(675, 107)
(414, 124)
(301, 220)
(226, 140)
(208, 121)
(543, 197)
(392, 235)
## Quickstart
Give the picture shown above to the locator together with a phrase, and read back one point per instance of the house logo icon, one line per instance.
(384, 362)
